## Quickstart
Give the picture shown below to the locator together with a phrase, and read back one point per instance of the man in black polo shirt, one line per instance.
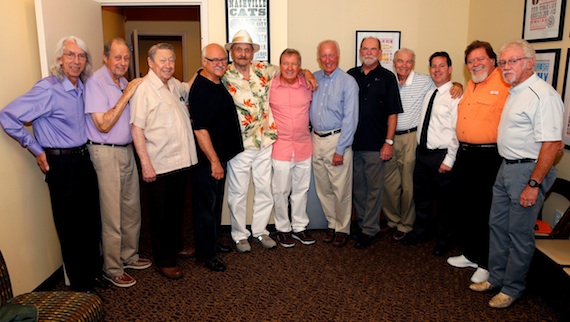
(217, 131)
(379, 105)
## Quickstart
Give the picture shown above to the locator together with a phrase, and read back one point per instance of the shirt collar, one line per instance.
(156, 82)
(524, 85)
(68, 86)
(301, 82)
(410, 78)
(109, 78)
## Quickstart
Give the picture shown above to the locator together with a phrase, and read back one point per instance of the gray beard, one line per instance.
(480, 78)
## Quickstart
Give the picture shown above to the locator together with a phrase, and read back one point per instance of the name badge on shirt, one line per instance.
(494, 93)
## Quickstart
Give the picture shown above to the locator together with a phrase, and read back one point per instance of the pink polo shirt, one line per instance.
(290, 107)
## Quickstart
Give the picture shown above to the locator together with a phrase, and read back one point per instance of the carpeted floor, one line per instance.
(386, 282)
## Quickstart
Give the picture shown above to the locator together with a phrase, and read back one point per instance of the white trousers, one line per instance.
(291, 182)
(256, 164)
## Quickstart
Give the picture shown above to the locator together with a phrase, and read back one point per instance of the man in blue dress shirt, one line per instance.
(334, 116)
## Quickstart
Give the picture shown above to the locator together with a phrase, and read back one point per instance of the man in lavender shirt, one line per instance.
(55, 108)
(109, 137)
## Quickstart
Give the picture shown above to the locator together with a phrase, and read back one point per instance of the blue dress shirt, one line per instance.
(335, 106)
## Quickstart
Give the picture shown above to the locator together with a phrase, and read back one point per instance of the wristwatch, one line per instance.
(390, 142)
(533, 183)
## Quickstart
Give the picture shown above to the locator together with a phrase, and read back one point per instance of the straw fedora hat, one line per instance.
(242, 37)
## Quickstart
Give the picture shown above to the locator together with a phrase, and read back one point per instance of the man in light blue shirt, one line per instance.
(334, 117)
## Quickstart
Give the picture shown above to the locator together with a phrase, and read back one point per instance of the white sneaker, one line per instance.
(480, 275)
(461, 261)
(266, 241)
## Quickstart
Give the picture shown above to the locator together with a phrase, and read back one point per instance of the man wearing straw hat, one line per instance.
(248, 84)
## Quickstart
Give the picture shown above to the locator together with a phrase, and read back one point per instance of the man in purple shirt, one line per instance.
(107, 115)
(55, 108)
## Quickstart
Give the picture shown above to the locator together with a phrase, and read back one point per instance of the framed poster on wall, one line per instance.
(546, 65)
(543, 20)
(252, 16)
(390, 41)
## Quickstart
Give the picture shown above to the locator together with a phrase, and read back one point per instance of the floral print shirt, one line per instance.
(251, 98)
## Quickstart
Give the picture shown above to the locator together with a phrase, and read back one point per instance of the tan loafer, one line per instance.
(482, 286)
(501, 301)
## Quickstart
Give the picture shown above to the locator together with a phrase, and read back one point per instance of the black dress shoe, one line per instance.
(410, 240)
(440, 250)
(214, 265)
(223, 249)
(102, 283)
(363, 241)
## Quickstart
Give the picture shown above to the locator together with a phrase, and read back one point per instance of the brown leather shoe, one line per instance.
(329, 236)
(186, 252)
(501, 301)
(170, 272)
(340, 240)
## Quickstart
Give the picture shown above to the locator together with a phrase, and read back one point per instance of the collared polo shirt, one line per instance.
(290, 106)
(162, 114)
(101, 95)
(532, 115)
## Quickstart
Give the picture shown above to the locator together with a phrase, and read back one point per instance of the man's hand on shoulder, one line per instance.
(311, 80)
(456, 90)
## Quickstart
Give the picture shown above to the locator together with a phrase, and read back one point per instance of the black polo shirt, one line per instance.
(379, 98)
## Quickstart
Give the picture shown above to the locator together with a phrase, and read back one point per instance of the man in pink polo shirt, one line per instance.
(290, 99)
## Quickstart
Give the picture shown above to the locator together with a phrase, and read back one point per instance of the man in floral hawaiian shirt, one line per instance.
(248, 84)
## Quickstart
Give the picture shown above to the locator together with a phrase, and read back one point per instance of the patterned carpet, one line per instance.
(386, 282)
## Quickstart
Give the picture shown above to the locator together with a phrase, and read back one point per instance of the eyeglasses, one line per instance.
(71, 55)
(216, 61)
(510, 61)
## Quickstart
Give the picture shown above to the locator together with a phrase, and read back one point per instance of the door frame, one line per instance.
(140, 3)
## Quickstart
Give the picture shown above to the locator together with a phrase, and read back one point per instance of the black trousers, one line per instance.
(207, 199)
(475, 173)
(74, 195)
(166, 196)
(432, 194)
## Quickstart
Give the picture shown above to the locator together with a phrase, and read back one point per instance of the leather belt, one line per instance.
(477, 146)
(520, 161)
(108, 144)
(325, 134)
(414, 129)
(66, 151)
(426, 150)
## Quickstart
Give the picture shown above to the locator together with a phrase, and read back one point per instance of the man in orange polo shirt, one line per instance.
(478, 160)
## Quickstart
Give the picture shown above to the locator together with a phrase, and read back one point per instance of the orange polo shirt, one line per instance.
(479, 111)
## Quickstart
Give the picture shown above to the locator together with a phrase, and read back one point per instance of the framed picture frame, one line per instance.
(566, 99)
(546, 64)
(543, 20)
(390, 41)
(252, 16)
